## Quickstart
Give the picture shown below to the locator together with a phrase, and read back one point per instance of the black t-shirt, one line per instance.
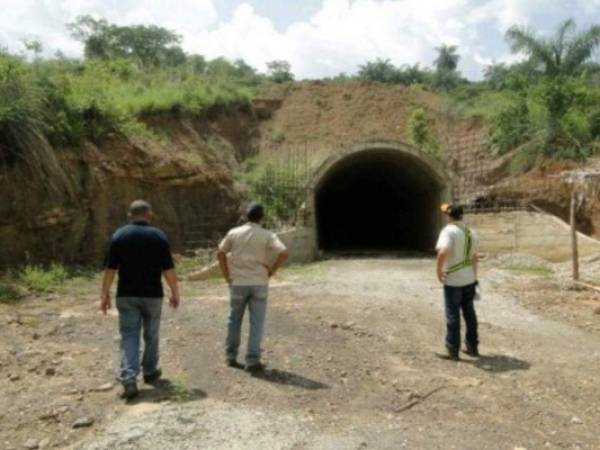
(141, 253)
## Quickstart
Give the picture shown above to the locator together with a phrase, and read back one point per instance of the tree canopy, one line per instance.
(447, 60)
(280, 71)
(151, 45)
(563, 54)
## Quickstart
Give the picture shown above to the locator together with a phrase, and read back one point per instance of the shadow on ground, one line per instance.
(499, 363)
(290, 379)
(167, 390)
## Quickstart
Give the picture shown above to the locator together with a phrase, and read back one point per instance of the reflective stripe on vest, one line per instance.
(466, 262)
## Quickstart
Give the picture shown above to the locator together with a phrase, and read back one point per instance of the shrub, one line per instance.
(8, 291)
(274, 186)
(43, 279)
(421, 132)
(510, 127)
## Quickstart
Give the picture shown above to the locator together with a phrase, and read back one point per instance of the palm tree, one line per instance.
(563, 54)
(447, 59)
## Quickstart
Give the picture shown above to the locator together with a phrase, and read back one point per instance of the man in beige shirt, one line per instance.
(245, 257)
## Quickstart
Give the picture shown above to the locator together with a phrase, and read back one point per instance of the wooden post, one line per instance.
(575, 250)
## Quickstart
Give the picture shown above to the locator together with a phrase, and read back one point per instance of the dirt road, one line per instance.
(350, 344)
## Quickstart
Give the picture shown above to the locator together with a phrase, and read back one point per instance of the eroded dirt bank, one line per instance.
(64, 206)
(351, 348)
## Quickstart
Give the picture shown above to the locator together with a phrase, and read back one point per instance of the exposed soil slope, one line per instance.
(331, 114)
(68, 212)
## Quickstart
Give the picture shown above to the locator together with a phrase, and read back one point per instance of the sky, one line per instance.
(320, 38)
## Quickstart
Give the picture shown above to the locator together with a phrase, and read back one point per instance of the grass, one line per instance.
(33, 278)
(8, 291)
(68, 101)
(190, 264)
(178, 391)
(531, 269)
(43, 279)
(303, 270)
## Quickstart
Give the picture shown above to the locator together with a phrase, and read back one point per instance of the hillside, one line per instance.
(322, 116)
(191, 166)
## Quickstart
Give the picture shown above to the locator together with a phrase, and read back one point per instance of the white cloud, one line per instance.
(46, 19)
(340, 36)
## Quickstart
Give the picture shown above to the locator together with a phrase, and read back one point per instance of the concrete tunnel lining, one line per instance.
(383, 199)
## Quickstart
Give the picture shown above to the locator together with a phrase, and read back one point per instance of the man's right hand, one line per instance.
(174, 301)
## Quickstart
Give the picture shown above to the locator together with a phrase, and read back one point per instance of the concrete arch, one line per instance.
(397, 187)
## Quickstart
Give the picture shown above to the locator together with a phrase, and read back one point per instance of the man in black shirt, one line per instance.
(141, 254)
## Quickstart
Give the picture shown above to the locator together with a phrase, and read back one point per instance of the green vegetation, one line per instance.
(30, 278)
(9, 293)
(150, 45)
(280, 71)
(128, 72)
(277, 188)
(546, 106)
(445, 76)
(422, 133)
(384, 71)
(533, 269)
(305, 270)
(176, 390)
(543, 107)
(43, 279)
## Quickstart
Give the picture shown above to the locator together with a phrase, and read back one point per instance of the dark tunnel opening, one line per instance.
(378, 200)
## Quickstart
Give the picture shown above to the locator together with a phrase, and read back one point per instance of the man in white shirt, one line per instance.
(245, 257)
(457, 261)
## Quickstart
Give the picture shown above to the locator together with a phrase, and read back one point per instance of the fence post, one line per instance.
(575, 250)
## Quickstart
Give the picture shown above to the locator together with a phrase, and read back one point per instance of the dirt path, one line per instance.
(351, 348)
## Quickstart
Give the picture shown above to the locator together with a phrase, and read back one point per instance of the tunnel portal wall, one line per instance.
(409, 178)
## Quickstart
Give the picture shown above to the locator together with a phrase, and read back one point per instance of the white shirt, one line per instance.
(452, 238)
(250, 249)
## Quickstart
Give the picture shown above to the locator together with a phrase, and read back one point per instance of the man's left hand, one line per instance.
(105, 303)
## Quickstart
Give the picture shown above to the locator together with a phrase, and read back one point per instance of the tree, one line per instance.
(564, 54)
(34, 46)
(381, 70)
(95, 35)
(446, 77)
(220, 68)
(151, 45)
(280, 71)
(516, 77)
(447, 60)
(197, 63)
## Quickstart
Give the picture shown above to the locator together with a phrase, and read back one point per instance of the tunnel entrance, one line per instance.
(378, 200)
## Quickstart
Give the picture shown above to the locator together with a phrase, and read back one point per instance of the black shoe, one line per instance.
(233, 363)
(472, 351)
(153, 377)
(256, 368)
(130, 390)
(449, 356)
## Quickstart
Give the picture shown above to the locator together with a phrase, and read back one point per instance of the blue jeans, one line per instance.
(457, 299)
(136, 313)
(255, 297)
